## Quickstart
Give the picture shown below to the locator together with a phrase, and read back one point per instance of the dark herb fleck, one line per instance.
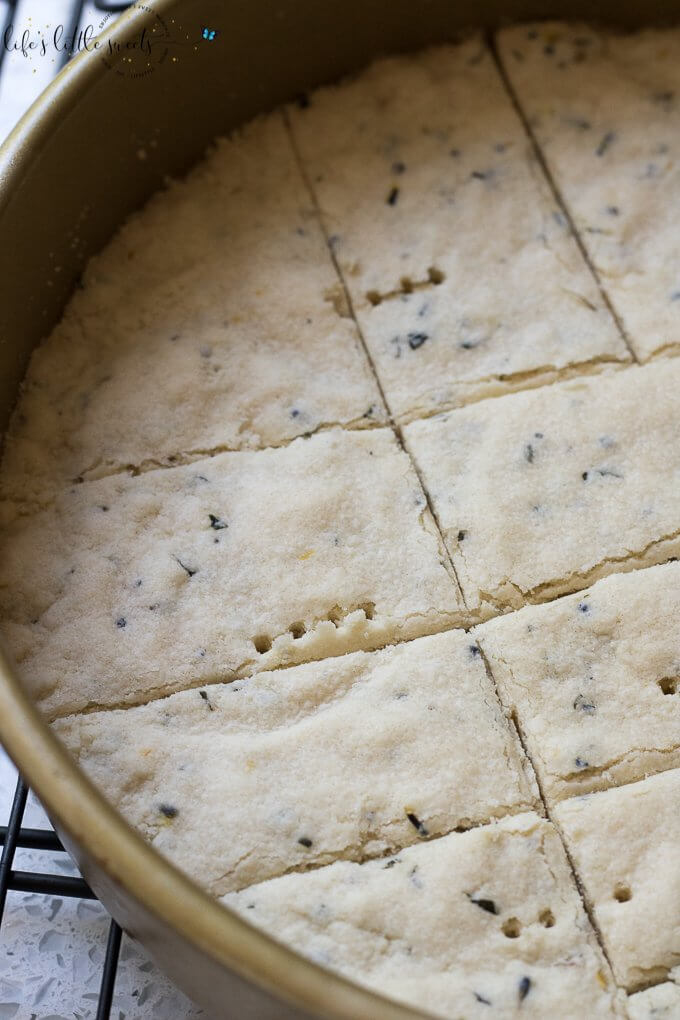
(607, 473)
(480, 175)
(584, 476)
(549, 50)
(121, 622)
(583, 607)
(468, 345)
(168, 810)
(538, 435)
(529, 453)
(581, 704)
(294, 413)
(204, 695)
(663, 98)
(393, 196)
(474, 650)
(484, 904)
(416, 340)
(390, 864)
(524, 988)
(462, 535)
(455, 153)
(580, 763)
(398, 167)
(217, 523)
(675, 296)
(605, 143)
(415, 878)
(417, 824)
(480, 998)
(305, 841)
(190, 570)
(104, 508)
(613, 210)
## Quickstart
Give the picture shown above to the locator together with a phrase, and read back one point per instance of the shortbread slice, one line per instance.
(594, 680)
(161, 359)
(348, 758)
(625, 844)
(130, 588)
(462, 270)
(605, 109)
(660, 1002)
(539, 494)
(464, 926)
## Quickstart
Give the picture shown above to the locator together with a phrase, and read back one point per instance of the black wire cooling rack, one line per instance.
(14, 836)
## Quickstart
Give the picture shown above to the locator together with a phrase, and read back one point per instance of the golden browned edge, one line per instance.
(136, 883)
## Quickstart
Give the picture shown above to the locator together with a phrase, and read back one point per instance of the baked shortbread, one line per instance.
(605, 109)
(271, 479)
(594, 680)
(215, 320)
(347, 758)
(660, 1002)
(539, 494)
(423, 175)
(625, 844)
(129, 588)
(488, 921)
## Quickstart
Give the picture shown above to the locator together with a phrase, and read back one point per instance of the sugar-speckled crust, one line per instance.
(605, 110)
(661, 1002)
(128, 588)
(346, 758)
(595, 680)
(422, 169)
(625, 844)
(426, 927)
(539, 494)
(214, 320)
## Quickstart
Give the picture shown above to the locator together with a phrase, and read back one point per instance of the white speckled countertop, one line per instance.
(52, 948)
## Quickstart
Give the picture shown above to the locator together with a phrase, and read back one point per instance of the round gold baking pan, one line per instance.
(69, 173)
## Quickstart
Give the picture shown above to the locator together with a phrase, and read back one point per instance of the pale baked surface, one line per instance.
(661, 1002)
(221, 579)
(422, 170)
(214, 320)
(346, 758)
(541, 493)
(427, 926)
(626, 847)
(594, 680)
(130, 588)
(604, 107)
